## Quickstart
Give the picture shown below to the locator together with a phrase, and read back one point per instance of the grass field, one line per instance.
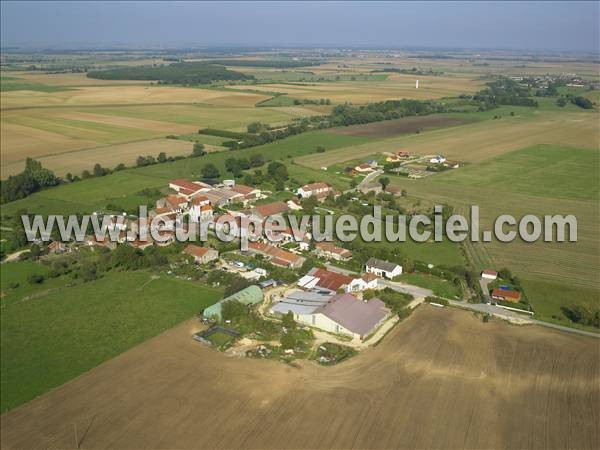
(477, 385)
(64, 332)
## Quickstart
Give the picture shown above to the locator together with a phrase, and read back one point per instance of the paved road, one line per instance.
(415, 291)
(366, 180)
(517, 317)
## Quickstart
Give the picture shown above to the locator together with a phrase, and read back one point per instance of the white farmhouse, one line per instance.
(489, 274)
(438, 159)
(319, 190)
(383, 268)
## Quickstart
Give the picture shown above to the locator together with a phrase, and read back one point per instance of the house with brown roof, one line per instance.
(363, 168)
(319, 190)
(506, 295)
(276, 256)
(57, 247)
(270, 209)
(188, 188)
(248, 192)
(329, 251)
(201, 255)
(175, 203)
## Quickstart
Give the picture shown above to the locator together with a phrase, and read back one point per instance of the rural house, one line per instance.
(57, 247)
(363, 168)
(247, 192)
(506, 295)
(277, 256)
(383, 268)
(329, 251)
(270, 209)
(201, 255)
(365, 188)
(489, 274)
(318, 190)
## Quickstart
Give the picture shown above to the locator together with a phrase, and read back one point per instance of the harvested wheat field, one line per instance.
(108, 156)
(442, 378)
(127, 95)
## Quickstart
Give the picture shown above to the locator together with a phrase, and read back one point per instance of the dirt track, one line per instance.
(440, 379)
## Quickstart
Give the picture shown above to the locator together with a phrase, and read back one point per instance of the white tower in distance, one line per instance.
(417, 85)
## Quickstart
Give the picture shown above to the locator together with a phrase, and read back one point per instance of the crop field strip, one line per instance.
(477, 385)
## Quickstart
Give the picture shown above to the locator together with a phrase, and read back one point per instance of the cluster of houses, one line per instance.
(330, 300)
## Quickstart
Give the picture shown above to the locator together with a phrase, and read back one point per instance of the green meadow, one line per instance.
(62, 332)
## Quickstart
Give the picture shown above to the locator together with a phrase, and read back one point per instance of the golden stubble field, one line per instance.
(441, 379)
(397, 86)
(109, 156)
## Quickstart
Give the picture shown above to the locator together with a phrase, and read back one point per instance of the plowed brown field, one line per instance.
(441, 379)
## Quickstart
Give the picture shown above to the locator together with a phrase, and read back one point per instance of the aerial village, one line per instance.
(293, 298)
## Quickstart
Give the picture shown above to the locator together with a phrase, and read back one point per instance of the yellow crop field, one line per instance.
(108, 156)
(397, 86)
(69, 79)
(127, 95)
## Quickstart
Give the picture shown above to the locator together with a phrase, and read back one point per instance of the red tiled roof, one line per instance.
(513, 295)
(185, 184)
(369, 277)
(315, 186)
(175, 200)
(490, 272)
(274, 252)
(242, 189)
(200, 199)
(271, 209)
(196, 251)
(330, 280)
(329, 247)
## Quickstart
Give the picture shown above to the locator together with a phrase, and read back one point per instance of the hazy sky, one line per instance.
(527, 25)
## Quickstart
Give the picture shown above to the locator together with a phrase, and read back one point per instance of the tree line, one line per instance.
(177, 73)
